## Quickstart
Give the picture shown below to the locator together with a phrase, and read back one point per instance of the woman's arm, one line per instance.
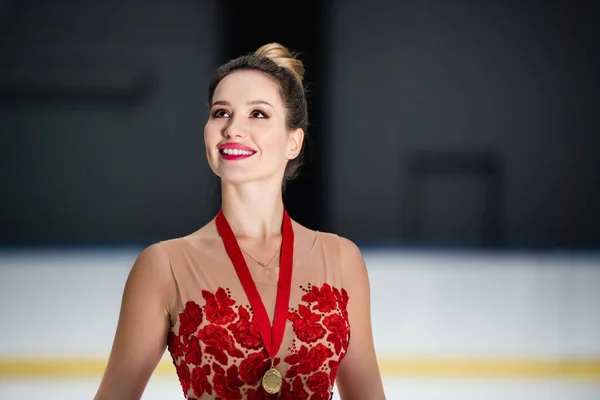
(358, 377)
(142, 330)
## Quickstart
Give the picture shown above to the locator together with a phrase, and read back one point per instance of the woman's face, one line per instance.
(246, 135)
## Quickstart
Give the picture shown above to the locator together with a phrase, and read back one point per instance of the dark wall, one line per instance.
(465, 122)
(436, 122)
(245, 28)
(101, 116)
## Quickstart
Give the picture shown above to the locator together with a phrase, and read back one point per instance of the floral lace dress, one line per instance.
(215, 342)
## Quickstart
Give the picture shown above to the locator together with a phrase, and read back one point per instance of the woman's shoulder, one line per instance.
(352, 265)
(336, 242)
(346, 254)
(202, 238)
(350, 253)
(331, 241)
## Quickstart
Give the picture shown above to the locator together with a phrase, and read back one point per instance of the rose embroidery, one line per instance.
(194, 352)
(255, 394)
(218, 307)
(200, 384)
(227, 385)
(183, 373)
(319, 385)
(245, 332)
(218, 342)
(342, 299)
(260, 394)
(306, 325)
(229, 333)
(333, 366)
(189, 320)
(253, 367)
(307, 361)
(339, 332)
(324, 297)
(174, 346)
(298, 392)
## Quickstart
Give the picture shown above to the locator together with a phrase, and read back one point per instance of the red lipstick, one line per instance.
(235, 151)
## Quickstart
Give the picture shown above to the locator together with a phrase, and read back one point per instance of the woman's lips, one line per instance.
(235, 151)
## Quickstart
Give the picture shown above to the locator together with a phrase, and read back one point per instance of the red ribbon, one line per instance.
(271, 336)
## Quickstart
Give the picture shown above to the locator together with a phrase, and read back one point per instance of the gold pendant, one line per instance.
(272, 381)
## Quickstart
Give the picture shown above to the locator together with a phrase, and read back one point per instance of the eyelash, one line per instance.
(216, 113)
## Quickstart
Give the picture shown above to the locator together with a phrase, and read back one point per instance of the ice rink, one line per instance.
(447, 325)
(396, 388)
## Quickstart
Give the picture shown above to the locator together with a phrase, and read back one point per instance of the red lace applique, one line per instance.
(257, 394)
(200, 384)
(295, 391)
(245, 332)
(319, 385)
(189, 320)
(328, 308)
(306, 325)
(307, 361)
(342, 299)
(218, 307)
(174, 346)
(218, 342)
(298, 392)
(260, 394)
(338, 327)
(183, 372)
(193, 353)
(227, 385)
(254, 367)
(333, 366)
(218, 351)
(324, 297)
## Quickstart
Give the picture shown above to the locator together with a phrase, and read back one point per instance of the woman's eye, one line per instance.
(258, 114)
(220, 114)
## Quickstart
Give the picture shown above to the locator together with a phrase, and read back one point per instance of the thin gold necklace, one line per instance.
(261, 263)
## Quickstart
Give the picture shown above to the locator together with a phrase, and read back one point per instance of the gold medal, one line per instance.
(272, 380)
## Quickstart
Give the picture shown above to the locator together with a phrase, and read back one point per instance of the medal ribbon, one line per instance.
(272, 337)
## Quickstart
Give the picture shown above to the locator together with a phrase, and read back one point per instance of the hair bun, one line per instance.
(283, 57)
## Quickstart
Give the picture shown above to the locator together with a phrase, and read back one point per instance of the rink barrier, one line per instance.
(588, 369)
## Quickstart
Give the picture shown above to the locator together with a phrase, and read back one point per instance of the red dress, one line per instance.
(214, 340)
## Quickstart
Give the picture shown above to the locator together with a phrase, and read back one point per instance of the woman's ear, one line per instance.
(295, 139)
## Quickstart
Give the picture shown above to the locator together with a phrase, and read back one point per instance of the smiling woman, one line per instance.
(271, 98)
(240, 122)
(238, 321)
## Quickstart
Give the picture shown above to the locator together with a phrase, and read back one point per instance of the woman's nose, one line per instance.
(234, 129)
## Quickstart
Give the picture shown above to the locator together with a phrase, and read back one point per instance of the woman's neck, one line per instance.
(253, 210)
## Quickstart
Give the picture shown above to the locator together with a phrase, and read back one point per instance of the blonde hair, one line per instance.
(283, 57)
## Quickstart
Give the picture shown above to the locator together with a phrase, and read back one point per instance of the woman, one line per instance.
(253, 305)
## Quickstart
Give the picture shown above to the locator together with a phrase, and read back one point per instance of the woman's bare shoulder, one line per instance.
(207, 237)
(347, 248)
(207, 232)
(154, 262)
(351, 258)
(305, 239)
(350, 254)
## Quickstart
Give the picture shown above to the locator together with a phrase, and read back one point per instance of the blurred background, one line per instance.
(456, 142)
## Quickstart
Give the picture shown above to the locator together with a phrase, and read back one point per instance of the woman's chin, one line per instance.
(244, 176)
(236, 177)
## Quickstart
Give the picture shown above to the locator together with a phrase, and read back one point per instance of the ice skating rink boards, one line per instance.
(447, 324)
